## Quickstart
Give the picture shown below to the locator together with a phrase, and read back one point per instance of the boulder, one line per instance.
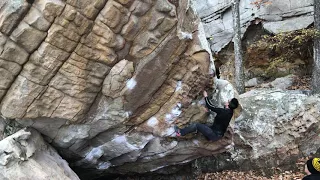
(276, 120)
(25, 155)
(275, 128)
(282, 83)
(252, 82)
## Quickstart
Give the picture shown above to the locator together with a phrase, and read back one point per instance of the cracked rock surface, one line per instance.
(105, 80)
(25, 155)
(276, 16)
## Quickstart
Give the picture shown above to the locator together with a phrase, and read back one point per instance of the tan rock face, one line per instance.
(105, 80)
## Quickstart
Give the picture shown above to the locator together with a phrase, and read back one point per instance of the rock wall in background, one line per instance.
(269, 18)
(276, 16)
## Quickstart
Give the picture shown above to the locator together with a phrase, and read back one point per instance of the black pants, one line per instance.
(203, 129)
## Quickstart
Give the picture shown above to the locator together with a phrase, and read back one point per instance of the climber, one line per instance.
(312, 168)
(220, 125)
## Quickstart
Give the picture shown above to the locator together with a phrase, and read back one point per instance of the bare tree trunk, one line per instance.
(239, 75)
(315, 84)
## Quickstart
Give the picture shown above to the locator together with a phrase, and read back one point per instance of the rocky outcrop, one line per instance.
(264, 59)
(105, 81)
(279, 83)
(275, 128)
(281, 120)
(25, 155)
(276, 16)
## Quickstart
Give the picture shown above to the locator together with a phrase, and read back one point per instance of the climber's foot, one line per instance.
(177, 130)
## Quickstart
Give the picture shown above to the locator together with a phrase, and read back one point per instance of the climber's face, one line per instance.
(226, 105)
(306, 170)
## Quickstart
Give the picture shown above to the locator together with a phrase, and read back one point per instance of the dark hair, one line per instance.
(313, 165)
(233, 104)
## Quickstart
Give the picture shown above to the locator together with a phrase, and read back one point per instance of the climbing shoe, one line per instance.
(177, 130)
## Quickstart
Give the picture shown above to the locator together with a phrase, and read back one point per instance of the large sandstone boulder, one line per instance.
(105, 81)
(25, 155)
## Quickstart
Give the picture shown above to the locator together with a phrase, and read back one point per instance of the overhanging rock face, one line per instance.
(276, 16)
(105, 81)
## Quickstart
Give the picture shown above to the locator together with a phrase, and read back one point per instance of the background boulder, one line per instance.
(25, 155)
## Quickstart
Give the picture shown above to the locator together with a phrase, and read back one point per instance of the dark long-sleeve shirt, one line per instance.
(223, 118)
(312, 177)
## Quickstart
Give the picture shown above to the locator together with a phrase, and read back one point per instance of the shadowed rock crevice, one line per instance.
(30, 1)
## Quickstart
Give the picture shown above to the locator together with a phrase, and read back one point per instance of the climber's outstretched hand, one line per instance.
(205, 94)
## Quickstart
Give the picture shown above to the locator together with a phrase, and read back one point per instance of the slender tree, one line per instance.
(315, 83)
(239, 74)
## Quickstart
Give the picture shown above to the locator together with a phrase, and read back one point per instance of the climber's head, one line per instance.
(233, 103)
(312, 166)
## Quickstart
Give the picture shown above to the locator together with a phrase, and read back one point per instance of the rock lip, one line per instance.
(288, 24)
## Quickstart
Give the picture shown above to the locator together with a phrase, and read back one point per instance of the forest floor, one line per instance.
(236, 175)
(279, 174)
(302, 82)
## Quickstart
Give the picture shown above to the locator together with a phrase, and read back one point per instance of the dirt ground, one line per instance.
(235, 175)
(279, 174)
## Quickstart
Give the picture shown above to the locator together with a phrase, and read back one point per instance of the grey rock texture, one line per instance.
(276, 119)
(251, 82)
(275, 128)
(290, 24)
(278, 16)
(25, 155)
(284, 82)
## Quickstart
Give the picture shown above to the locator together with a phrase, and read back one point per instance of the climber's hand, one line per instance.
(205, 94)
